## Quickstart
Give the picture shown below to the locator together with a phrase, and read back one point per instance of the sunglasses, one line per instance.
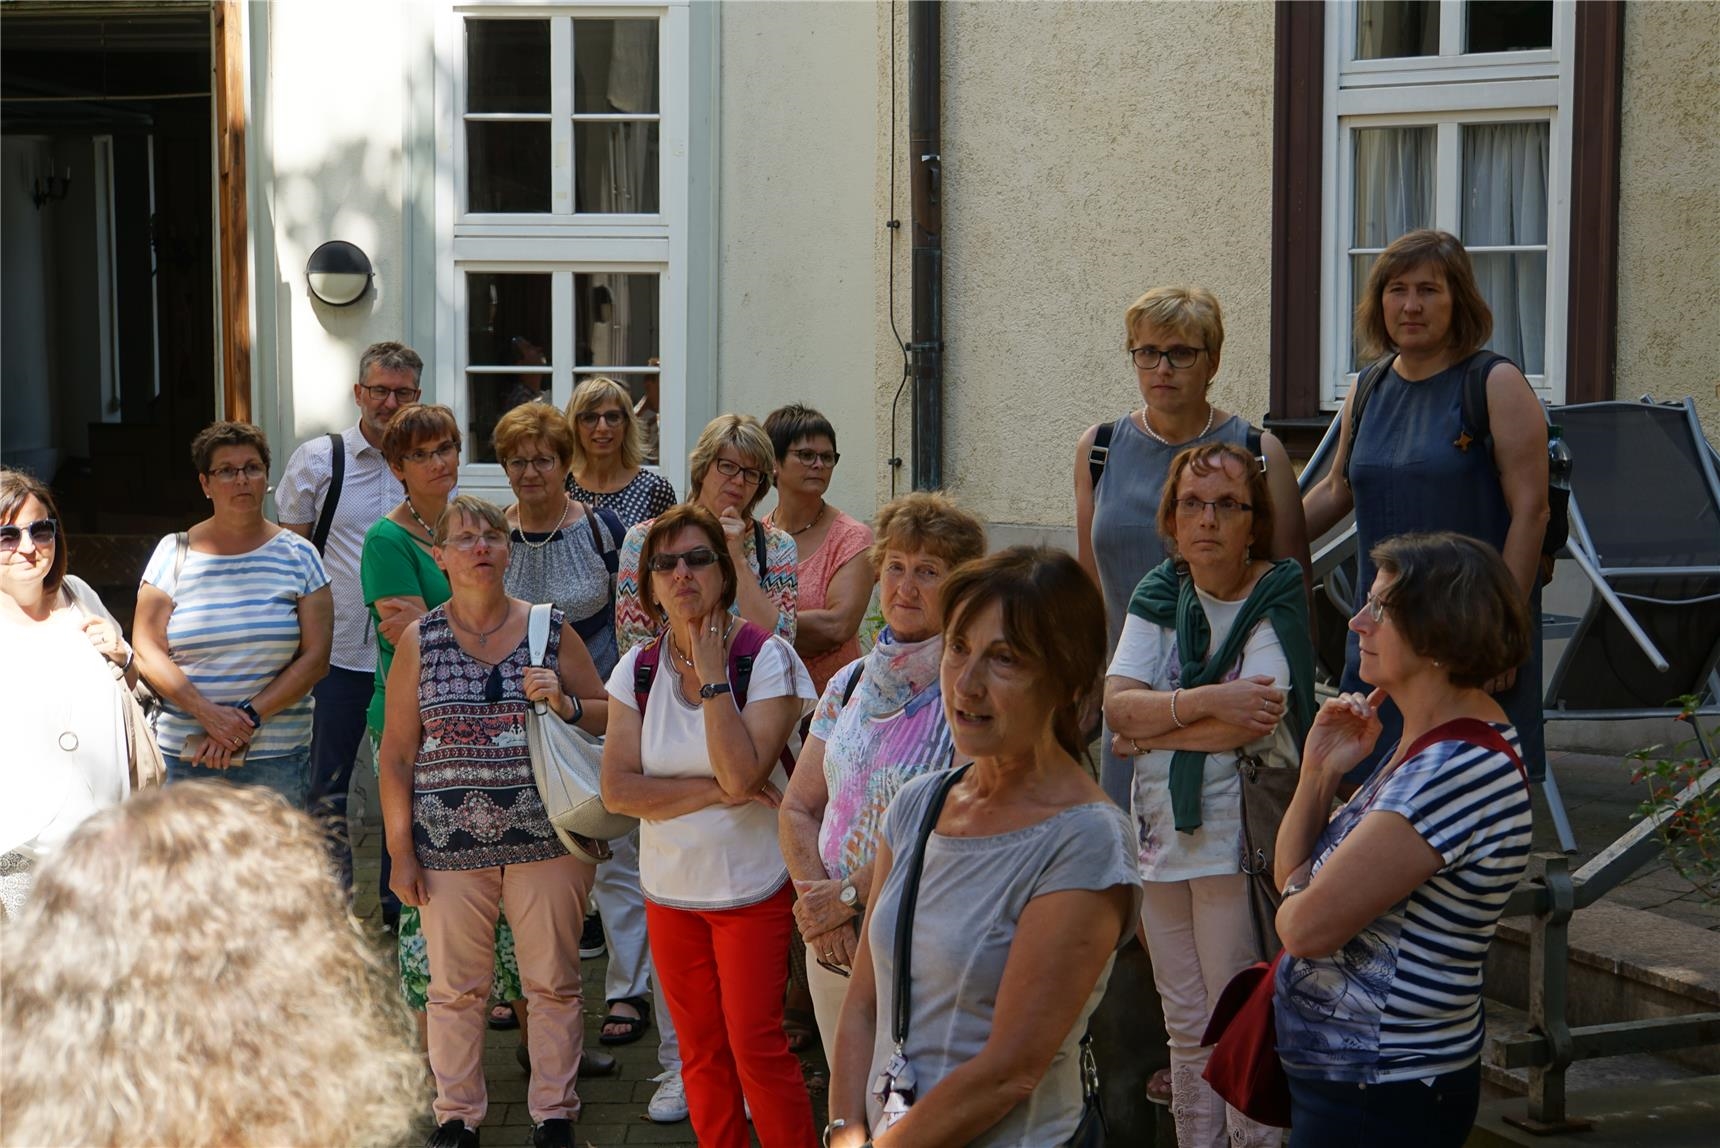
(42, 532)
(697, 558)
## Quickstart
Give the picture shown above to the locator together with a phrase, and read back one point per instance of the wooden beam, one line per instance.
(1591, 320)
(233, 237)
(1299, 77)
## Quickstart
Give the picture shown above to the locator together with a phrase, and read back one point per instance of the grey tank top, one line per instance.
(1126, 542)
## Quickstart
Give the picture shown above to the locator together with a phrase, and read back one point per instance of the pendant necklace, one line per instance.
(431, 534)
(1161, 440)
(483, 638)
(816, 519)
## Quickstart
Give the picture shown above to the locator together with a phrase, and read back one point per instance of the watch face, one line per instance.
(849, 894)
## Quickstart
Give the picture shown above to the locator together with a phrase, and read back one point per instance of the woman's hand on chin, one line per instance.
(1344, 732)
(710, 660)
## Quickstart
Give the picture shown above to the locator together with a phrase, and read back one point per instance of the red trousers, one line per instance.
(723, 972)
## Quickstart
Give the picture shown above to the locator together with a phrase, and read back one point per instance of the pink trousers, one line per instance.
(546, 907)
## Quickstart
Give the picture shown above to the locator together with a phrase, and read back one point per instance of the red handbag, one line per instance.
(1244, 1068)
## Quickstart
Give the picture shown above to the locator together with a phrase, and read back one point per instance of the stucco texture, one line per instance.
(1090, 151)
(1669, 207)
(796, 218)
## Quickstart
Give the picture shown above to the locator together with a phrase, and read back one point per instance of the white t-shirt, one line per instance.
(1148, 653)
(722, 856)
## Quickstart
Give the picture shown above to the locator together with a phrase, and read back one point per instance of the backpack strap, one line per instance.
(181, 547)
(645, 669)
(758, 550)
(743, 652)
(853, 684)
(337, 480)
(1100, 452)
(1477, 420)
(1475, 732)
(1364, 390)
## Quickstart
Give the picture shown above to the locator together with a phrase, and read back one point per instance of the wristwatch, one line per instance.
(250, 711)
(849, 895)
(711, 689)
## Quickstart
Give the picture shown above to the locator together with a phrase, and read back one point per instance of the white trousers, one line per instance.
(1199, 936)
(631, 970)
(829, 990)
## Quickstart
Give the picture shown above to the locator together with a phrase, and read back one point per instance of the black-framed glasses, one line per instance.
(381, 393)
(1376, 609)
(1181, 358)
(613, 418)
(730, 468)
(1191, 507)
(446, 450)
(251, 472)
(809, 457)
(42, 532)
(541, 464)
(697, 558)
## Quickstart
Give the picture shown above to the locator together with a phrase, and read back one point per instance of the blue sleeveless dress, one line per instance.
(1407, 474)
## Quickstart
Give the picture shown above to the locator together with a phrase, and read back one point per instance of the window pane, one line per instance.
(507, 325)
(507, 65)
(1393, 183)
(617, 167)
(616, 320)
(1515, 287)
(492, 396)
(1508, 25)
(1505, 184)
(615, 66)
(507, 166)
(1391, 28)
(643, 388)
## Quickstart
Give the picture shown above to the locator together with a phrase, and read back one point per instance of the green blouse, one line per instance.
(395, 566)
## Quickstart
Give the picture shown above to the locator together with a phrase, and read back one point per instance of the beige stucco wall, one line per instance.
(1669, 207)
(796, 222)
(1090, 151)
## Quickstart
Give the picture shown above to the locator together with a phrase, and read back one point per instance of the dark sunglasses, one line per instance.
(42, 532)
(697, 558)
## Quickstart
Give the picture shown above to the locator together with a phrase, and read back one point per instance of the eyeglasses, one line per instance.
(752, 475)
(250, 472)
(42, 532)
(446, 450)
(610, 418)
(824, 458)
(1180, 358)
(1376, 609)
(540, 464)
(1224, 508)
(381, 393)
(697, 558)
(493, 539)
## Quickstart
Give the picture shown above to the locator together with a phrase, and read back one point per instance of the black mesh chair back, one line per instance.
(1638, 474)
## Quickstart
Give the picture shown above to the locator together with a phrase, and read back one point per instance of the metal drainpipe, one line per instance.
(925, 21)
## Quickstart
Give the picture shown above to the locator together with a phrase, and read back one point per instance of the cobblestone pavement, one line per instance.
(613, 1108)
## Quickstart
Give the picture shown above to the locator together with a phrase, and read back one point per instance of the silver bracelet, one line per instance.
(1181, 724)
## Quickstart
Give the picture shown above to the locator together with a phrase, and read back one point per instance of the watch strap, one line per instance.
(712, 689)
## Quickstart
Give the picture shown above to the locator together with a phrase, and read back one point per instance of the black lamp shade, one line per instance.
(339, 273)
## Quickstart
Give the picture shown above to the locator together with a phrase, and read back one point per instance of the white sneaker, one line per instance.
(669, 1103)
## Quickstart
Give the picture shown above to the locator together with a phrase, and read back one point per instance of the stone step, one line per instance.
(1505, 1022)
(1682, 1113)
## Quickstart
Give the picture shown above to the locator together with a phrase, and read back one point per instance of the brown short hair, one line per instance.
(930, 521)
(742, 432)
(226, 433)
(417, 423)
(671, 522)
(588, 396)
(533, 420)
(1453, 599)
(468, 507)
(1187, 310)
(1202, 460)
(1067, 643)
(390, 356)
(15, 487)
(1471, 318)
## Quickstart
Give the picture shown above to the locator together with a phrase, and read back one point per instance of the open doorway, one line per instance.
(108, 304)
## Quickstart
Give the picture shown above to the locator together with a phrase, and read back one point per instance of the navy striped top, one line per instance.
(1402, 1000)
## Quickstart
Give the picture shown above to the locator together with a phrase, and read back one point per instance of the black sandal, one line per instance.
(636, 1025)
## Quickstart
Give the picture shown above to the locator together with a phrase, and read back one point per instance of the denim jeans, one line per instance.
(338, 726)
(1402, 1114)
(288, 775)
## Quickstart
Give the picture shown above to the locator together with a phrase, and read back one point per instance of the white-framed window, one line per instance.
(562, 192)
(1453, 114)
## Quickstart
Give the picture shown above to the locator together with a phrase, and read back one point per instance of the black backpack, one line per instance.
(1477, 428)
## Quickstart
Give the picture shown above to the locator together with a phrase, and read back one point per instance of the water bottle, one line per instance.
(1558, 459)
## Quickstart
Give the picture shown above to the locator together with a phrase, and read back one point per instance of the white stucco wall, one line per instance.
(797, 222)
(1669, 207)
(1090, 151)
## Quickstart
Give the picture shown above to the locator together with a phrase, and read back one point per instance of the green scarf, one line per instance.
(1167, 598)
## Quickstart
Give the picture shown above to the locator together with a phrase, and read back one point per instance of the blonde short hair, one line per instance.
(931, 521)
(186, 972)
(1186, 310)
(742, 432)
(468, 508)
(595, 392)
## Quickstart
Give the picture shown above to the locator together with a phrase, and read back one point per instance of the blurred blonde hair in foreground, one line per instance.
(185, 973)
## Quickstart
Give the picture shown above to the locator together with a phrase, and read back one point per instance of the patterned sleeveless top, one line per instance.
(474, 803)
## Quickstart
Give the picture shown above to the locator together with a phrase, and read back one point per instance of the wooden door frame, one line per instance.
(232, 228)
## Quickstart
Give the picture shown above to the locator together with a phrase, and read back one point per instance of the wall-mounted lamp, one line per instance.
(52, 187)
(339, 273)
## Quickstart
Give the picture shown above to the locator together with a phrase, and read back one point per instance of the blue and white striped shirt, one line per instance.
(234, 626)
(1402, 1000)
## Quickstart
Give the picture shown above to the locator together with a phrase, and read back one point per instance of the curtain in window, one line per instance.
(1393, 182)
(1505, 205)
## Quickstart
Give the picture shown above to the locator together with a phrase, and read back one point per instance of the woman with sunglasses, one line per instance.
(234, 623)
(730, 467)
(702, 772)
(606, 470)
(466, 826)
(65, 722)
